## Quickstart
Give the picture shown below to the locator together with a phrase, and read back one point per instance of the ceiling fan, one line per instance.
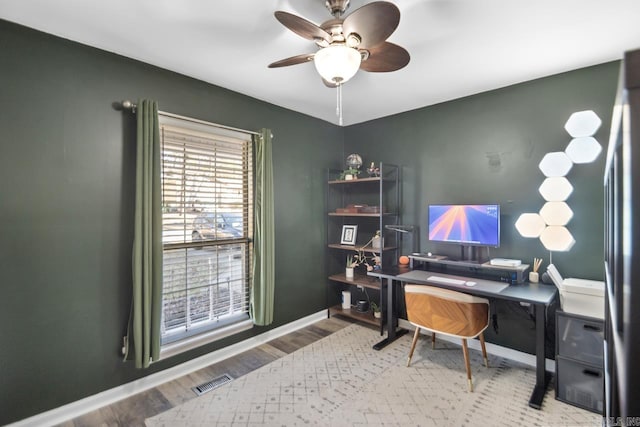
(348, 44)
(357, 41)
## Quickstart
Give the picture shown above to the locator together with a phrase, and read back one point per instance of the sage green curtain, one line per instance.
(262, 291)
(143, 335)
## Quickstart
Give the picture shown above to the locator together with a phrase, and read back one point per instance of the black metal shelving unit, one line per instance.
(378, 204)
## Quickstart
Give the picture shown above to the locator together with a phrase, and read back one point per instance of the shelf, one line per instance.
(355, 181)
(363, 317)
(361, 248)
(370, 203)
(359, 279)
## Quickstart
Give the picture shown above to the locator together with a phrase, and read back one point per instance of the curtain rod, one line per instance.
(128, 105)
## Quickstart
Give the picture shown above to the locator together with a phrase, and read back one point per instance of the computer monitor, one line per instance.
(466, 225)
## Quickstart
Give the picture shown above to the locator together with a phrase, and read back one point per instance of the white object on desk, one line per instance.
(445, 280)
(470, 283)
(505, 262)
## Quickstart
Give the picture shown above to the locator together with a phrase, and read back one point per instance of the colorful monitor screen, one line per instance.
(474, 225)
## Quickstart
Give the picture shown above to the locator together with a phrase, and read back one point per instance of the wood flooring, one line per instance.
(134, 410)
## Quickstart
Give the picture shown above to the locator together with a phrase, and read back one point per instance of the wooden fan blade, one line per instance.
(302, 27)
(386, 57)
(373, 22)
(298, 59)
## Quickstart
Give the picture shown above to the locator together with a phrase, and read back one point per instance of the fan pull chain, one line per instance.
(339, 104)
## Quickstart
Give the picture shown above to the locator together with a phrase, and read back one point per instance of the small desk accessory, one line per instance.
(534, 275)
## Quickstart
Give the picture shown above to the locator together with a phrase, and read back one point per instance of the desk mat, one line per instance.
(481, 285)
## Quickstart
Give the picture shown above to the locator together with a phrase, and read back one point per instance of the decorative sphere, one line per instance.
(354, 161)
(404, 260)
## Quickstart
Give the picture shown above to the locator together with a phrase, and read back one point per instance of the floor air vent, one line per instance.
(210, 385)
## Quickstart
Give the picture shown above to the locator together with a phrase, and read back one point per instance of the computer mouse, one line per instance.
(470, 283)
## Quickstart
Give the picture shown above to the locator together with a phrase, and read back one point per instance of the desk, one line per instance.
(540, 296)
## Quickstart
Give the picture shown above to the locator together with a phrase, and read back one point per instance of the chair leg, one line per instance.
(484, 349)
(413, 345)
(465, 351)
(433, 340)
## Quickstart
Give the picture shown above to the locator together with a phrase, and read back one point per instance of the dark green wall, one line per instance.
(486, 149)
(66, 197)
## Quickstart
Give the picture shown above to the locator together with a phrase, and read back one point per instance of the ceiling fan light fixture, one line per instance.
(349, 44)
(337, 63)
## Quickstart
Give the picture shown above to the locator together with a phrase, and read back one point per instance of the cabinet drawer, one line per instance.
(580, 384)
(580, 338)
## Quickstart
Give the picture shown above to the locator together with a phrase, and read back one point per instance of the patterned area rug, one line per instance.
(341, 381)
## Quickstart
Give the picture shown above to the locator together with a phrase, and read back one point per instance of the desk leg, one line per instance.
(542, 378)
(392, 316)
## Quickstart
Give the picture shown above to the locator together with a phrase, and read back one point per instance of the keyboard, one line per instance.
(426, 276)
(445, 280)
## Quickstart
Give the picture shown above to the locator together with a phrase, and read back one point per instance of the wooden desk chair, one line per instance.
(450, 313)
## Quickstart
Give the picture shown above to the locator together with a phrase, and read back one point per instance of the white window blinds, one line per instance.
(207, 227)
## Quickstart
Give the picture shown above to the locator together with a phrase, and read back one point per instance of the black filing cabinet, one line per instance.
(580, 361)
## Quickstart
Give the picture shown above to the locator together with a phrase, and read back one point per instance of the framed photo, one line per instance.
(349, 233)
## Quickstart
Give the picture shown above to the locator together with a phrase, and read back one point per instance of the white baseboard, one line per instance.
(496, 350)
(107, 397)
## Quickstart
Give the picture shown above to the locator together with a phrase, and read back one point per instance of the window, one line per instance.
(207, 228)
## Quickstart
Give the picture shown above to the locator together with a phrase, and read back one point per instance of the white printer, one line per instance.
(579, 296)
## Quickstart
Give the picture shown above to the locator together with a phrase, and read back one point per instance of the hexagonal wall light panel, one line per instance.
(555, 164)
(583, 123)
(556, 189)
(530, 225)
(557, 238)
(583, 150)
(556, 213)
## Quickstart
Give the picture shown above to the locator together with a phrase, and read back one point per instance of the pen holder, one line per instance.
(533, 277)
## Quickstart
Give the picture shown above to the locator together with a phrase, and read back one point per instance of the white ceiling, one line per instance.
(457, 47)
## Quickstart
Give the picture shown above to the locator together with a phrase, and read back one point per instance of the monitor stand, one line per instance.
(470, 254)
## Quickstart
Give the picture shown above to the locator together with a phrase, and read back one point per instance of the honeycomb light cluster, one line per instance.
(549, 224)
(556, 189)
